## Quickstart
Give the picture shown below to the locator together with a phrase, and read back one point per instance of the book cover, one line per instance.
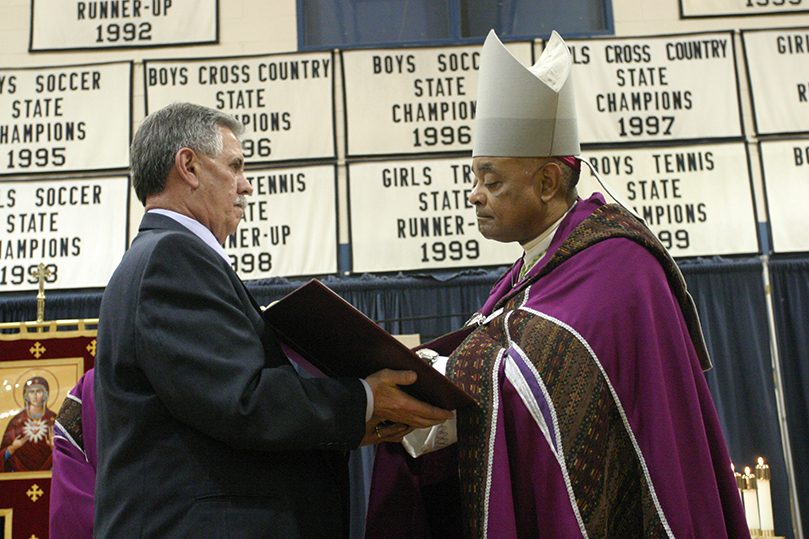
(340, 341)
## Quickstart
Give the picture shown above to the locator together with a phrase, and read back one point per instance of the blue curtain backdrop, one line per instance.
(731, 301)
(345, 23)
(790, 291)
(732, 306)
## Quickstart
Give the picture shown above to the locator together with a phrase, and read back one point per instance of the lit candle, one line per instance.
(751, 502)
(739, 481)
(764, 499)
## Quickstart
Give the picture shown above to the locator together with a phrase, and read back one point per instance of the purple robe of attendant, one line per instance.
(74, 465)
(595, 416)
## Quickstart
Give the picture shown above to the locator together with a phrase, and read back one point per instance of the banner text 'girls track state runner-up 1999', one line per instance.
(416, 214)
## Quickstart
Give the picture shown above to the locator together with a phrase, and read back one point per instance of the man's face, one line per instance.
(506, 196)
(223, 188)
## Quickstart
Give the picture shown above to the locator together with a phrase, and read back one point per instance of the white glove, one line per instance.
(422, 441)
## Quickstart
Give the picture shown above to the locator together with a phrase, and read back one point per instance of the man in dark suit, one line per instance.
(204, 427)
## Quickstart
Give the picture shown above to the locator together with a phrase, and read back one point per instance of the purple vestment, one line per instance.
(74, 464)
(594, 417)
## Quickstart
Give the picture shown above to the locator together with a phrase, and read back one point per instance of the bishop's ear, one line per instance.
(551, 177)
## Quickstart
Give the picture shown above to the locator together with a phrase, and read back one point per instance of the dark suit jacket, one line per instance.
(204, 428)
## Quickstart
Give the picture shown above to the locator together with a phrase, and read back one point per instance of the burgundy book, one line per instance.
(340, 341)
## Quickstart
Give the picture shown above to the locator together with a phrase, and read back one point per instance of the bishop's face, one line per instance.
(507, 197)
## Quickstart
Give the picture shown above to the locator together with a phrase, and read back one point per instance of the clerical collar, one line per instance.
(200, 230)
(536, 249)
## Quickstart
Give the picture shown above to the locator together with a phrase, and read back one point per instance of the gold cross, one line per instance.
(92, 348)
(34, 492)
(37, 349)
(41, 273)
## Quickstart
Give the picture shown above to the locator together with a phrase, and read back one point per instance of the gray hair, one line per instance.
(570, 178)
(164, 132)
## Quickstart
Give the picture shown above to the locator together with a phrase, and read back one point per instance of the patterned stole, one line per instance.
(69, 418)
(612, 221)
(614, 503)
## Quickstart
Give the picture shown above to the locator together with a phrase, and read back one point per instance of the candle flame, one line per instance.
(747, 470)
(760, 461)
(732, 467)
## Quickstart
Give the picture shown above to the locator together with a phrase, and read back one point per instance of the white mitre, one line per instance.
(524, 112)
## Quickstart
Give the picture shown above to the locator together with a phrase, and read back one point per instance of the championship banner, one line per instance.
(39, 364)
(83, 25)
(698, 200)
(413, 101)
(77, 228)
(289, 226)
(661, 89)
(286, 101)
(50, 118)
(732, 8)
(785, 166)
(415, 215)
(777, 62)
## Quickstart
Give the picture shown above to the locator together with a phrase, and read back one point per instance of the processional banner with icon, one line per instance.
(40, 362)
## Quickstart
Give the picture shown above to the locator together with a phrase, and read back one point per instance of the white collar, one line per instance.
(200, 230)
(539, 245)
